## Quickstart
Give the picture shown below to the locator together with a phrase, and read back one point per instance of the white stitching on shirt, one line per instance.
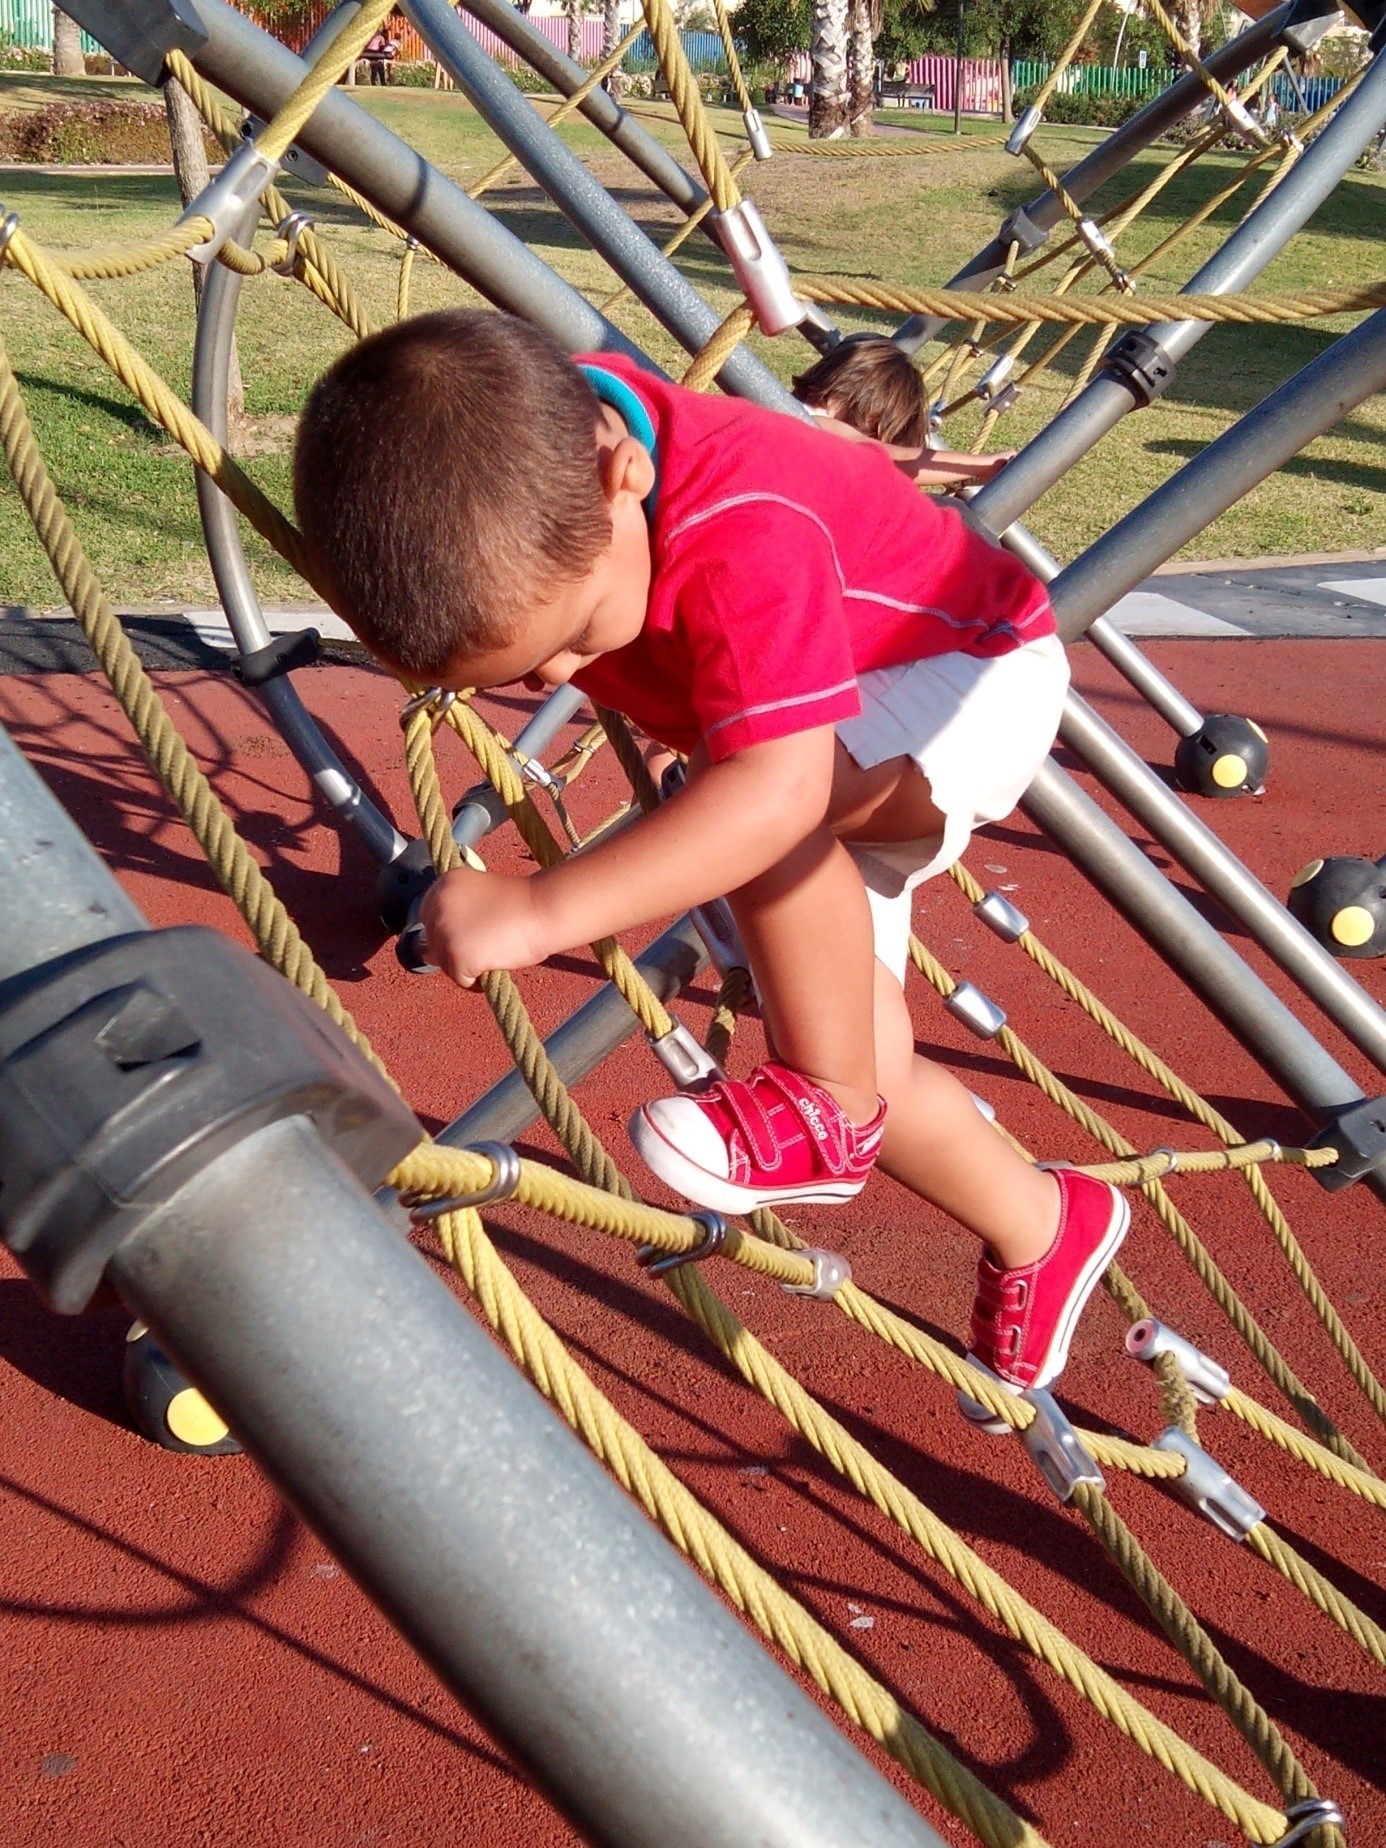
(780, 705)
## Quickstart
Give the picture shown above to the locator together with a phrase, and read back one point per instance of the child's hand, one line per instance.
(480, 921)
(950, 467)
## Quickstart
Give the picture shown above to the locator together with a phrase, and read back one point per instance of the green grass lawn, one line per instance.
(908, 220)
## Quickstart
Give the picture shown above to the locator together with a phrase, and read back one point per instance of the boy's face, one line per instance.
(601, 611)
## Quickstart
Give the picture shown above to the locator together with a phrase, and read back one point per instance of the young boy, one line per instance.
(858, 679)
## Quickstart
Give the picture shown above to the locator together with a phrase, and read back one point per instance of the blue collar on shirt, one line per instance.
(627, 406)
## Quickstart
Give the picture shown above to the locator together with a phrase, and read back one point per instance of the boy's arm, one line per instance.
(732, 821)
(929, 467)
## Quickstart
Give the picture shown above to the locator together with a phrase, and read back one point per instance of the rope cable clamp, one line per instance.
(716, 926)
(686, 1062)
(968, 1004)
(756, 135)
(1019, 137)
(291, 229)
(989, 386)
(1206, 1486)
(505, 1179)
(427, 698)
(1304, 1818)
(1055, 1447)
(830, 1272)
(8, 226)
(658, 1263)
(225, 202)
(1208, 1382)
(1005, 920)
(295, 160)
(761, 272)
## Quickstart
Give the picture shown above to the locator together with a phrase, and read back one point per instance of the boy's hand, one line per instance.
(480, 921)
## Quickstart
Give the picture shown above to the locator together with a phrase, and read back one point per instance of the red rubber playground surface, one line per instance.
(183, 1663)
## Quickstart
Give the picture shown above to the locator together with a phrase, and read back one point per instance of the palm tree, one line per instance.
(828, 49)
(864, 24)
(67, 46)
(573, 8)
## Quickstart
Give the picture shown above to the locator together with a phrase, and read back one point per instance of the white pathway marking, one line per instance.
(1370, 590)
(212, 627)
(1147, 612)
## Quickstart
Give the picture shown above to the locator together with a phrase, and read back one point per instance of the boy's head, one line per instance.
(866, 381)
(472, 510)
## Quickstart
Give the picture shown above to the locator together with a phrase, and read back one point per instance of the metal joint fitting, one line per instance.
(686, 1062)
(1005, 920)
(291, 229)
(1019, 228)
(1208, 1382)
(976, 1010)
(235, 189)
(1056, 1448)
(1008, 396)
(505, 1178)
(1307, 24)
(761, 272)
(658, 1262)
(8, 226)
(989, 386)
(1304, 1818)
(830, 1271)
(1206, 1485)
(1019, 137)
(1358, 1132)
(756, 135)
(1094, 238)
(426, 698)
(716, 926)
(1142, 364)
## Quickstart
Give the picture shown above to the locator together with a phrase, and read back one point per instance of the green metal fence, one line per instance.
(29, 24)
(1092, 79)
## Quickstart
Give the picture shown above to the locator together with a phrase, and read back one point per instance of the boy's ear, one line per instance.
(627, 468)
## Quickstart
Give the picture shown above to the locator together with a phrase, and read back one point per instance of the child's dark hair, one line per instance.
(445, 477)
(866, 381)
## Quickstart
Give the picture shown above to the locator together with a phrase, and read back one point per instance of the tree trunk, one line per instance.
(611, 26)
(574, 11)
(193, 175)
(862, 87)
(828, 91)
(1007, 87)
(67, 46)
(1189, 17)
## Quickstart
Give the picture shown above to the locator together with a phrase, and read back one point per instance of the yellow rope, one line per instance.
(687, 100)
(333, 62)
(1277, 1552)
(1090, 311)
(685, 230)
(743, 95)
(702, 374)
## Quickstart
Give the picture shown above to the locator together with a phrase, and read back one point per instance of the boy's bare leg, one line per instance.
(939, 1145)
(806, 926)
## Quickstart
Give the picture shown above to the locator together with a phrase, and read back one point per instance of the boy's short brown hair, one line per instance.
(445, 477)
(866, 381)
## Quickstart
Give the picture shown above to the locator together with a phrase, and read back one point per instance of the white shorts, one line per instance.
(979, 729)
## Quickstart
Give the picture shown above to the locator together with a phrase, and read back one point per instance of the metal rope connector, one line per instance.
(8, 226)
(1055, 1447)
(1304, 1818)
(716, 926)
(1019, 137)
(504, 1180)
(989, 387)
(761, 272)
(1208, 1382)
(686, 1062)
(426, 698)
(830, 1271)
(999, 915)
(658, 1262)
(756, 135)
(225, 202)
(1206, 1485)
(291, 229)
(976, 1010)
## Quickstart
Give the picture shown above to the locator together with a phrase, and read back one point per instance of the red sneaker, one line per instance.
(1023, 1320)
(772, 1139)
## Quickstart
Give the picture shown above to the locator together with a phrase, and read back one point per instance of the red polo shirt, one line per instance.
(786, 561)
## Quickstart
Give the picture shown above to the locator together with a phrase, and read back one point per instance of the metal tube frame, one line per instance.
(450, 1490)
(585, 202)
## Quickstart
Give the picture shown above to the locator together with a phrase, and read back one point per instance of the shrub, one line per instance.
(1091, 111)
(417, 76)
(82, 134)
(24, 58)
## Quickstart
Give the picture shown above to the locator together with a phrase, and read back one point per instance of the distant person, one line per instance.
(867, 387)
(380, 54)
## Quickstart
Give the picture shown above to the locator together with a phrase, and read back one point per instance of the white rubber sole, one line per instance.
(713, 1190)
(1056, 1355)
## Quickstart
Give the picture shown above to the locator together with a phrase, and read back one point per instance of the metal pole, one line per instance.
(260, 74)
(621, 129)
(1262, 234)
(1211, 967)
(1043, 212)
(584, 1039)
(586, 203)
(1319, 396)
(1219, 870)
(450, 1490)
